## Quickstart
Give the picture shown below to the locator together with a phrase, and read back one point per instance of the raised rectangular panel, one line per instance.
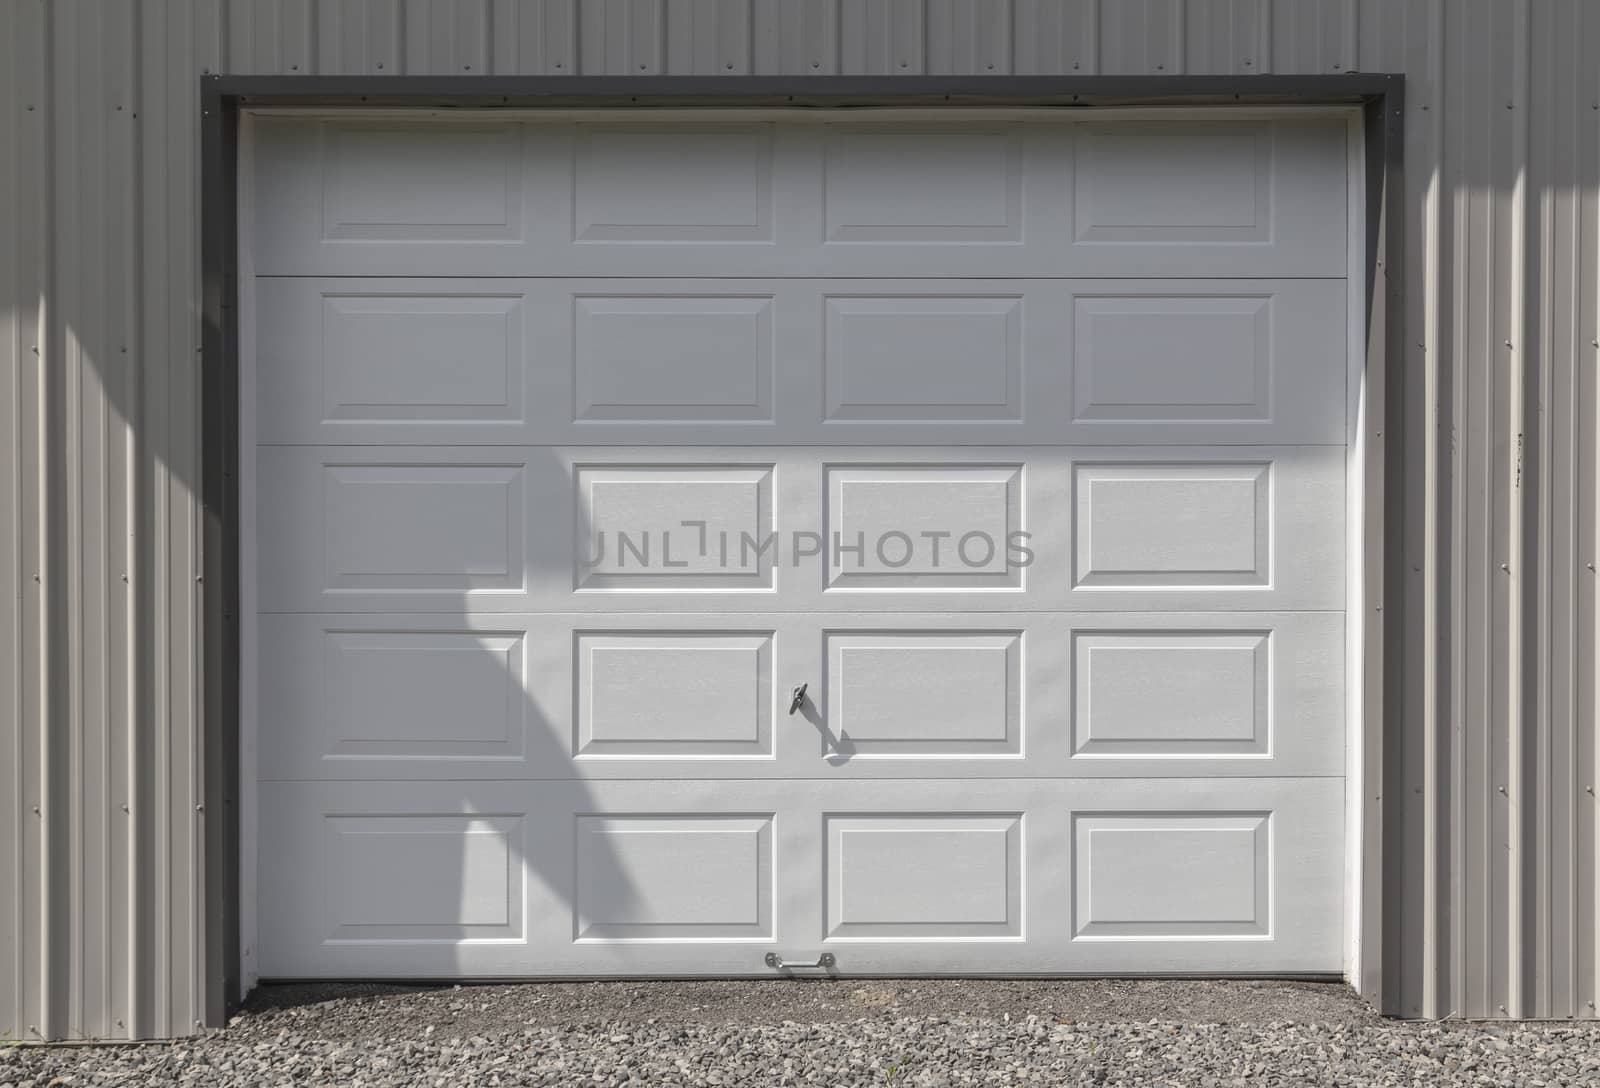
(673, 184)
(673, 878)
(1172, 693)
(422, 183)
(674, 527)
(922, 526)
(916, 694)
(422, 878)
(1173, 525)
(422, 695)
(673, 694)
(1174, 181)
(689, 358)
(421, 357)
(1180, 876)
(923, 358)
(924, 877)
(423, 527)
(944, 184)
(1172, 358)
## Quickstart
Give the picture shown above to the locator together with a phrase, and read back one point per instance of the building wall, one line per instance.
(1490, 889)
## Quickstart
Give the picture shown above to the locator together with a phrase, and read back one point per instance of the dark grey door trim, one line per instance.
(1381, 98)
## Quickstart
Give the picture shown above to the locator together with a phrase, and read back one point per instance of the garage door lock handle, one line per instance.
(797, 699)
(778, 963)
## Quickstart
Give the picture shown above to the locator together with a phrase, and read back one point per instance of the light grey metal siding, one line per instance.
(1492, 903)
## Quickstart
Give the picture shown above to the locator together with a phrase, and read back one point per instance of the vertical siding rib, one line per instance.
(882, 38)
(12, 771)
(797, 37)
(1142, 37)
(622, 37)
(1585, 955)
(708, 37)
(101, 912)
(1220, 36)
(1056, 37)
(24, 185)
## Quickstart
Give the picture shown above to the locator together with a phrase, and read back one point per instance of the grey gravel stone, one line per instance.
(925, 1034)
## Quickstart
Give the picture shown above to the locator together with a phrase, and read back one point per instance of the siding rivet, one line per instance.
(729, 67)
(294, 67)
(199, 578)
(1508, 343)
(1589, 790)
(124, 806)
(1074, 68)
(200, 808)
(1161, 67)
(380, 66)
(468, 67)
(1247, 62)
(36, 811)
(1589, 565)
(1502, 789)
(1505, 568)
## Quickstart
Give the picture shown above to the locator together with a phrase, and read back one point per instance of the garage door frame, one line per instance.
(1376, 497)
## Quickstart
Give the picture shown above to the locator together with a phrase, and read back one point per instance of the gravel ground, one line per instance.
(826, 1033)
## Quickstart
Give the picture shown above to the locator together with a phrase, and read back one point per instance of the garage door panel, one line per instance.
(501, 878)
(582, 444)
(1255, 194)
(475, 529)
(1025, 198)
(483, 361)
(896, 695)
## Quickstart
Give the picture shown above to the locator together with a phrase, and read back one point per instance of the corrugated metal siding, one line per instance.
(1494, 911)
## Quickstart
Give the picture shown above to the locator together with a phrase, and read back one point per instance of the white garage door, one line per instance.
(578, 445)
